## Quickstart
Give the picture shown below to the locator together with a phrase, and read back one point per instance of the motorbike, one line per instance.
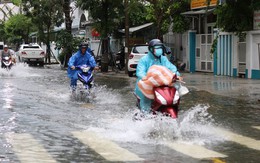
(86, 82)
(7, 62)
(85, 76)
(167, 99)
(120, 58)
(117, 59)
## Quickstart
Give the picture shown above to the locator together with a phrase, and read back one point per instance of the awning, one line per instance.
(137, 28)
(197, 12)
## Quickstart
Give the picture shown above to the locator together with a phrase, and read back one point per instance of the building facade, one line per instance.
(233, 56)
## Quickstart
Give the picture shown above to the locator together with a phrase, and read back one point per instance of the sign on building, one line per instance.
(196, 4)
(257, 20)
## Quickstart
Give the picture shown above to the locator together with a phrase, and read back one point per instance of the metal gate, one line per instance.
(204, 60)
(241, 58)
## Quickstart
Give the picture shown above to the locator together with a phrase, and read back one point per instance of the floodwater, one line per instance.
(41, 122)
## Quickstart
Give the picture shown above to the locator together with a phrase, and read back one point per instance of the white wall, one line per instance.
(252, 52)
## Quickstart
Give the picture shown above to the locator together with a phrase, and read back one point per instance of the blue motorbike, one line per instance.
(85, 75)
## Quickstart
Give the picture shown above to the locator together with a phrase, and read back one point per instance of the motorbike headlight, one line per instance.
(6, 58)
(160, 98)
(85, 69)
(176, 97)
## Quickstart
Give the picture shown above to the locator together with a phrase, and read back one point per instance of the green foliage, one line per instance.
(235, 16)
(45, 14)
(106, 14)
(137, 13)
(66, 42)
(16, 2)
(2, 32)
(165, 12)
(159, 13)
(18, 27)
(180, 24)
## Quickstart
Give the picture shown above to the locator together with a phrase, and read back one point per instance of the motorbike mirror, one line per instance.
(168, 50)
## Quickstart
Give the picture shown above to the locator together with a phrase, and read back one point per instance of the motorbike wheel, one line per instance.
(119, 67)
(130, 74)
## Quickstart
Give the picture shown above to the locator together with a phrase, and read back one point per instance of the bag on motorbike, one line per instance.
(156, 76)
(181, 89)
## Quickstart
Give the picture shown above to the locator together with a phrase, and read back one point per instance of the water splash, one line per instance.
(17, 70)
(194, 126)
(106, 96)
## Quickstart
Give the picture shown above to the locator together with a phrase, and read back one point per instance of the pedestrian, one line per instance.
(154, 57)
(81, 57)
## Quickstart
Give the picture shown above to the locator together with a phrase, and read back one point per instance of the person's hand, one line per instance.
(144, 78)
(179, 78)
(96, 68)
(72, 67)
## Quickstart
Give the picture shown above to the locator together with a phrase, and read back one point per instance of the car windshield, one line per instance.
(141, 49)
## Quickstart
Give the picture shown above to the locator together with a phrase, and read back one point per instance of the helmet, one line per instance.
(153, 43)
(83, 45)
(5, 46)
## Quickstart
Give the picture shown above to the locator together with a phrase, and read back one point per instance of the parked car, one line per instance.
(31, 54)
(137, 52)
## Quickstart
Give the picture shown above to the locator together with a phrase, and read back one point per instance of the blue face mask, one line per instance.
(158, 51)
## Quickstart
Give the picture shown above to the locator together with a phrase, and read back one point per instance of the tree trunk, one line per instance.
(105, 42)
(68, 22)
(48, 53)
(104, 52)
(126, 34)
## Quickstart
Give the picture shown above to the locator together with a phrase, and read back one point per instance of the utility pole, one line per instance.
(126, 34)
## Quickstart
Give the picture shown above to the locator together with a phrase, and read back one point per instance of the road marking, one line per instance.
(240, 139)
(216, 160)
(109, 150)
(88, 106)
(194, 151)
(257, 127)
(27, 149)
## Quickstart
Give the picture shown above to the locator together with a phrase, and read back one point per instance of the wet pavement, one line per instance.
(40, 121)
(220, 85)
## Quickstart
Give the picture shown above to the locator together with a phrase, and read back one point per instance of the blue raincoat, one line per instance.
(143, 65)
(79, 59)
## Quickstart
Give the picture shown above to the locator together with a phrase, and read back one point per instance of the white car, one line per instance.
(137, 52)
(31, 54)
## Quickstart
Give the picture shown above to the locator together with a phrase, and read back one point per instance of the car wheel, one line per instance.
(41, 64)
(130, 73)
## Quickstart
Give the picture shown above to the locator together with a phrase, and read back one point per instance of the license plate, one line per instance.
(32, 59)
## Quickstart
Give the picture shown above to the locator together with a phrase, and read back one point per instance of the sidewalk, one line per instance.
(224, 85)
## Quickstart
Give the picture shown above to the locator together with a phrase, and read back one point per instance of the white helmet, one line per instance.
(5, 46)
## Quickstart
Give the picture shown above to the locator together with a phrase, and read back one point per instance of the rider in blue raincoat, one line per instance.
(81, 57)
(155, 56)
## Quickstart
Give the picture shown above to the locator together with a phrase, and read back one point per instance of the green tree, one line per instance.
(165, 12)
(68, 45)
(159, 13)
(18, 27)
(137, 13)
(17, 2)
(66, 41)
(236, 16)
(45, 15)
(180, 22)
(106, 17)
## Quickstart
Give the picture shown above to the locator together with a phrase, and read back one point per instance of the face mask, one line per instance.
(158, 52)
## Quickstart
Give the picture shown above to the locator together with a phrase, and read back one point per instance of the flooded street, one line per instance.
(41, 122)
